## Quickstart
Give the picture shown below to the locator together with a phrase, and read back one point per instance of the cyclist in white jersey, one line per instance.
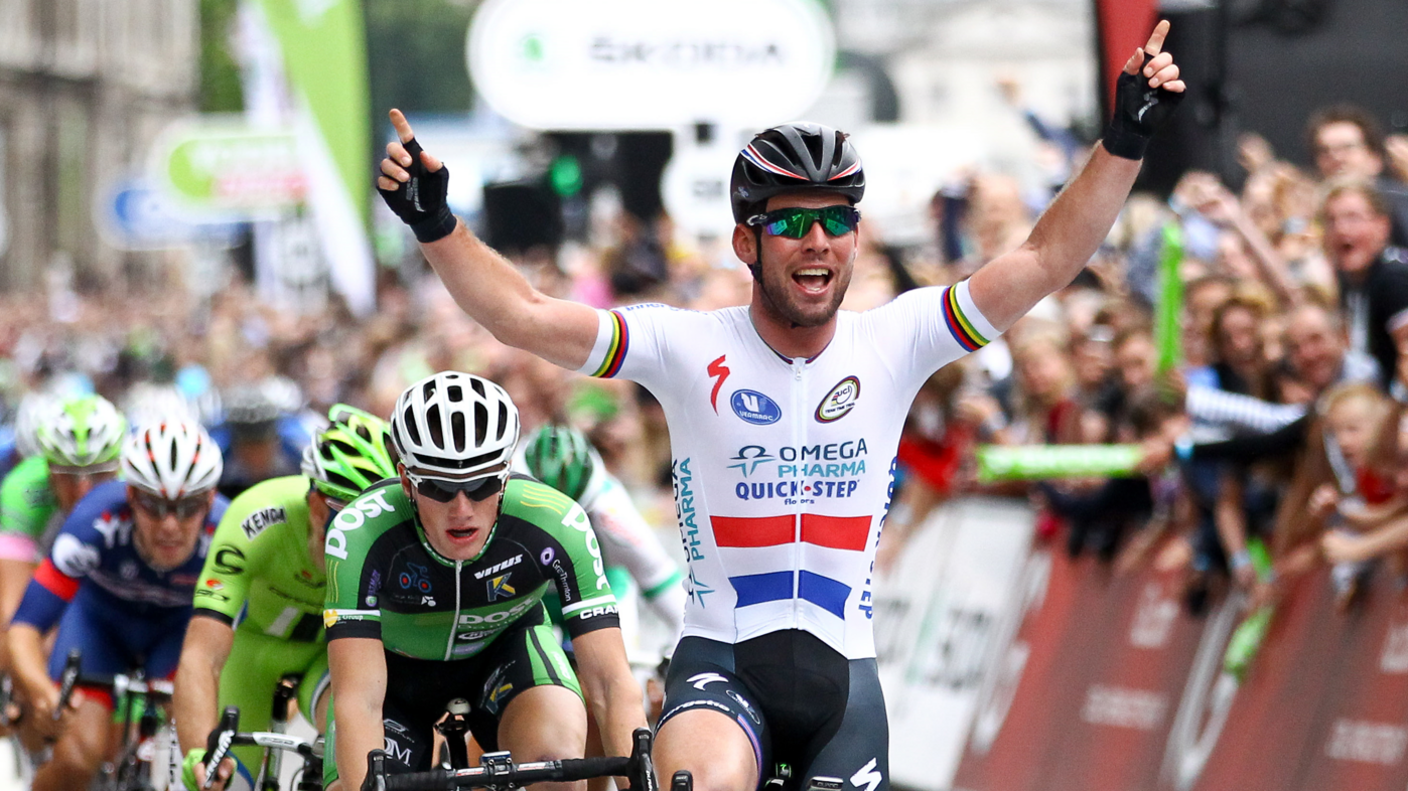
(563, 458)
(784, 422)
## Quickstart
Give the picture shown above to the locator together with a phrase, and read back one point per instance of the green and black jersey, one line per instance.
(259, 563)
(385, 581)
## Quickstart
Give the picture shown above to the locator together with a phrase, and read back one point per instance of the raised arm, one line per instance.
(1071, 230)
(482, 282)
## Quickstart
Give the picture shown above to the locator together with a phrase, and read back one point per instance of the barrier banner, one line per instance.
(1103, 682)
(1323, 704)
(1093, 673)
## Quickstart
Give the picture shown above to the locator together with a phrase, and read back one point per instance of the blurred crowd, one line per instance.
(1278, 425)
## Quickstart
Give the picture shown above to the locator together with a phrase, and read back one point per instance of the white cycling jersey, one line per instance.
(783, 468)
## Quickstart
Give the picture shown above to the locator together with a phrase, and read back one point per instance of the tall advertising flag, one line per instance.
(323, 52)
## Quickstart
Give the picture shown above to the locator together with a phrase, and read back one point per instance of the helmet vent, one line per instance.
(481, 424)
(453, 393)
(457, 430)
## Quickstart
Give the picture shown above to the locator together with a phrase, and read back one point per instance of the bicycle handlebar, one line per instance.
(68, 678)
(566, 770)
(217, 744)
(638, 768)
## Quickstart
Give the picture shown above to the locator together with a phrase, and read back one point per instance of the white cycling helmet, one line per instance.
(84, 431)
(454, 425)
(172, 459)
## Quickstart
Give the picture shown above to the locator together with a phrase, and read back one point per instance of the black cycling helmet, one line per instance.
(792, 157)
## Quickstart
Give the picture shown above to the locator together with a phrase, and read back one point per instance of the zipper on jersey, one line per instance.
(455, 624)
(799, 424)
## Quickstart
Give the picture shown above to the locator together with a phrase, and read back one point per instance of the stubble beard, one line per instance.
(776, 298)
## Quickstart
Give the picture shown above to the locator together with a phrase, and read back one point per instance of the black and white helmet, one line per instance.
(172, 459)
(454, 425)
(796, 157)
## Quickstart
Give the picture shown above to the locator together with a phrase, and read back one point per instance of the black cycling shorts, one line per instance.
(417, 691)
(800, 702)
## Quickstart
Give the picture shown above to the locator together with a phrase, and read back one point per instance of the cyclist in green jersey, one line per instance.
(266, 560)
(435, 586)
(78, 440)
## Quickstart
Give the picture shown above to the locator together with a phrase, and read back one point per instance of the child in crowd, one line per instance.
(1364, 495)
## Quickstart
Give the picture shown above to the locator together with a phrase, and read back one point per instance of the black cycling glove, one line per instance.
(1140, 111)
(420, 201)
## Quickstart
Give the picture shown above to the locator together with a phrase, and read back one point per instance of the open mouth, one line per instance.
(812, 279)
(463, 534)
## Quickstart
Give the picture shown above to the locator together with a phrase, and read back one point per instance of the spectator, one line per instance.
(1348, 143)
(1373, 276)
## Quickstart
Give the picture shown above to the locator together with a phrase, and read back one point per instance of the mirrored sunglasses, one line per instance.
(795, 222)
(160, 507)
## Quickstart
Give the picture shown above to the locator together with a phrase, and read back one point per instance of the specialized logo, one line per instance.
(866, 777)
(840, 401)
(500, 589)
(497, 567)
(718, 372)
(749, 457)
(255, 523)
(754, 407)
(701, 680)
(214, 584)
(416, 577)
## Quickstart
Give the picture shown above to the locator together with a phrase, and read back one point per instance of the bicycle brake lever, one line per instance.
(217, 745)
(376, 771)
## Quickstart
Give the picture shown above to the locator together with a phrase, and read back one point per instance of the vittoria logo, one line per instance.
(840, 401)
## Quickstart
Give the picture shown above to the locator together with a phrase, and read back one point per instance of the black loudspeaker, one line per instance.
(520, 215)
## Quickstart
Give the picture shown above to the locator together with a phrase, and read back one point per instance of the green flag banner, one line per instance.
(1029, 462)
(1170, 306)
(322, 52)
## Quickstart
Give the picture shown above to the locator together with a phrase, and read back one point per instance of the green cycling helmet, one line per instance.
(349, 455)
(83, 431)
(561, 457)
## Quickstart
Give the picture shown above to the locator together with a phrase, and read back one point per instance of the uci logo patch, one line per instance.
(754, 407)
(840, 401)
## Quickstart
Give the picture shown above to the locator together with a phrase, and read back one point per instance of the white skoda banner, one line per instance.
(648, 64)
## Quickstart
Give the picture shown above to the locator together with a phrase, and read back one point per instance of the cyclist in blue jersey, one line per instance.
(118, 584)
(785, 417)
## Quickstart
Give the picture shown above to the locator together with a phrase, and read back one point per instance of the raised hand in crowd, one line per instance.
(1396, 146)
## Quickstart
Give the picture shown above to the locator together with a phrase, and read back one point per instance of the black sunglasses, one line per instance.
(796, 222)
(160, 507)
(443, 491)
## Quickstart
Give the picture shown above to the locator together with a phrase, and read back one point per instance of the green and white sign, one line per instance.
(1037, 462)
(225, 166)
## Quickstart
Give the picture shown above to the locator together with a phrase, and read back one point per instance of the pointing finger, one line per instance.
(403, 127)
(1156, 39)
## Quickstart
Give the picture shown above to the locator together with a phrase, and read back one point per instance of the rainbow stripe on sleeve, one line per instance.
(958, 324)
(616, 351)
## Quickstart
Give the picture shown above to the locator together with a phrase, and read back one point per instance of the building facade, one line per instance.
(85, 86)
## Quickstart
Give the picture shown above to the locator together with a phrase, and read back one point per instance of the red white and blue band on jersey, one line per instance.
(848, 533)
